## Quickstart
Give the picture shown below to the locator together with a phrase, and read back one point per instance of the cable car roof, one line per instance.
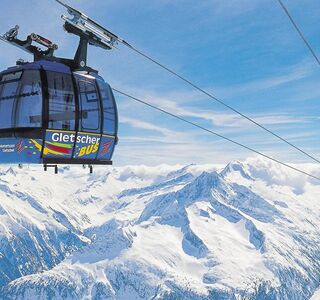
(41, 64)
(50, 66)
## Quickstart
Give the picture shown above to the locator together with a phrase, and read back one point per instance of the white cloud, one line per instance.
(216, 118)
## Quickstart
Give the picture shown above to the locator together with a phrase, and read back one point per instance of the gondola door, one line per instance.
(89, 134)
(61, 134)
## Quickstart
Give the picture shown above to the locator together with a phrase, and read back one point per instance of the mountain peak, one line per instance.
(236, 167)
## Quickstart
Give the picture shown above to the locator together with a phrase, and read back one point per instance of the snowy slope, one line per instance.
(166, 232)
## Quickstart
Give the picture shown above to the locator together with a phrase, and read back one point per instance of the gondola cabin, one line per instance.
(58, 110)
(51, 115)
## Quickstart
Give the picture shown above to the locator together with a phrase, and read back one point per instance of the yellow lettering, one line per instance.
(89, 149)
(95, 148)
(82, 151)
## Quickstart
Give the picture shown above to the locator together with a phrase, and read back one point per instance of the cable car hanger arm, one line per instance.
(78, 62)
(89, 32)
(95, 31)
(11, 37)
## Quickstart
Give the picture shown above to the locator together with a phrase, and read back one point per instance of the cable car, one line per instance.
(56, 110)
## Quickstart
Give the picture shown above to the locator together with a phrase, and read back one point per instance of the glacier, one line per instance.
(248, 230)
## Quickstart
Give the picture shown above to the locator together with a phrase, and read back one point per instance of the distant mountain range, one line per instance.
(249, 230)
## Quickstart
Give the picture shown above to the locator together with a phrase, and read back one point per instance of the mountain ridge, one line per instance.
(159, 233)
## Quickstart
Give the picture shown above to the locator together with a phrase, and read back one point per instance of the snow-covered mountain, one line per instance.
(249, 230)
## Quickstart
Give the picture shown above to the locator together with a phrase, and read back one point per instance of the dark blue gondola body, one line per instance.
(49, 114)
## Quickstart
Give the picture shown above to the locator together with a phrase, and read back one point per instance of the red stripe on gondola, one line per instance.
(58, 149)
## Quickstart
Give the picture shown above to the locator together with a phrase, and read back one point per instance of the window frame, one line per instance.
(15, 112)
(47, 101)
(12, 127)
(102, 84)
(24, 132)
(79, 78)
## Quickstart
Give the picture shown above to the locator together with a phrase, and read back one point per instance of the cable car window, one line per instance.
(90, 108)
(62, 110)
(8, 93)
(29, 101)
(109, 113)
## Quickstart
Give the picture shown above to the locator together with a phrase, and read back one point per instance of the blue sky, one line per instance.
(245, 52)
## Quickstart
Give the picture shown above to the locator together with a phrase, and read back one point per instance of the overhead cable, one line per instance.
(214, 133)
(212, 97)
(106, 39)
(313, 53)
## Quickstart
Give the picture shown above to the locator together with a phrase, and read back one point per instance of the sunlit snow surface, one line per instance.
(167, 232)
